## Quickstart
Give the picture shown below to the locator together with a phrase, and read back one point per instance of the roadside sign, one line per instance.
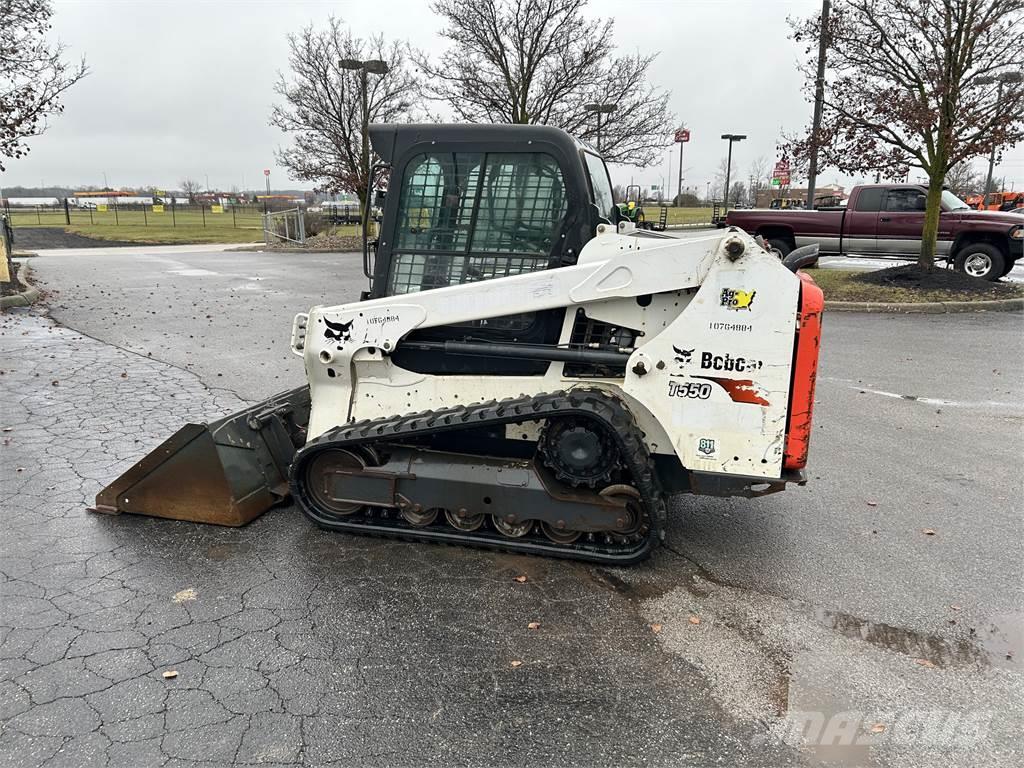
(682, 135)
(216, 209)
(266, 171)
(158, 209)
(101, 207)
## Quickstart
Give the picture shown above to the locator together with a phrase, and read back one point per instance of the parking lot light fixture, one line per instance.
(599, 109)
(732, 138)
(376, 67)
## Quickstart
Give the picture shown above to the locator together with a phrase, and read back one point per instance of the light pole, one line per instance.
(599, 109)
(707, 193)
(731, 138)
(377, 67)
(1005, 77)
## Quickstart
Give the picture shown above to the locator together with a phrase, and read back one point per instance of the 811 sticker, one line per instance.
(707, 448)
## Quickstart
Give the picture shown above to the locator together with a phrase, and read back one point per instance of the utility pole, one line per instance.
(819, 97)
(1005, 77)
(599, 109)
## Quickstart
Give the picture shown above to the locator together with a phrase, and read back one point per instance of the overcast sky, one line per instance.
(184, 88)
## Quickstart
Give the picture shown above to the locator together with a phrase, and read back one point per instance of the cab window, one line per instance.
(869, 199)
(904, 200)
(464, 217)
(436, 202)
(601, 185)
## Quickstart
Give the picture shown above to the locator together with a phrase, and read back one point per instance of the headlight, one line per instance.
(1017, 233)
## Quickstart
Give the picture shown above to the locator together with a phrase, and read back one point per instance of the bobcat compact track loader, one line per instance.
(526, 372)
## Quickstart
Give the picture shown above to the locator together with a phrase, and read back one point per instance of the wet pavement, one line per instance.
(293, 646)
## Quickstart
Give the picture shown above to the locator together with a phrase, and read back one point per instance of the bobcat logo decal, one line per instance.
(683, 356)
(340, 332)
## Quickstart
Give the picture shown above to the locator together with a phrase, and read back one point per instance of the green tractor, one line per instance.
(631, 210)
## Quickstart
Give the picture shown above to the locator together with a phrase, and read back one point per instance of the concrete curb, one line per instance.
(23, 299)
(928, 307)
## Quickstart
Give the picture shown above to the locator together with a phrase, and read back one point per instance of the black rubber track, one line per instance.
(588, 403)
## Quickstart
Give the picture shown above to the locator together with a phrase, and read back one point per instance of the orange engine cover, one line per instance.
(805, 373)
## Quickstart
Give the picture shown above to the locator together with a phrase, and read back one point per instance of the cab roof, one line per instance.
(391, 140)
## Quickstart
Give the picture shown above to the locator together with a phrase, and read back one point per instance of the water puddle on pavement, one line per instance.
(998, 643)
(832, 729)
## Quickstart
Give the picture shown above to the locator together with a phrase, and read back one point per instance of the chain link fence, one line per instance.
(238, 216)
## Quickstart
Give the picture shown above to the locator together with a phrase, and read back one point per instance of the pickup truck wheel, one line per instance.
(780, 245)
(980, 260)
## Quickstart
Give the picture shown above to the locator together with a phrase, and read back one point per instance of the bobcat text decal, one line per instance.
(727, 362)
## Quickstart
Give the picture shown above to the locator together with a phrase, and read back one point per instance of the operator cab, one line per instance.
(467, 203)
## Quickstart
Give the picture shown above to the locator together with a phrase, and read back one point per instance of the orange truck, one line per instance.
(996, 201)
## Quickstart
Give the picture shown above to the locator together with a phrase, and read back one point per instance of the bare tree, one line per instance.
(962, 179)
(759, 173)
(191, 188)
(737, 191)
(922, 83)
(718, 182)
(323, 110)
(542, 61)
(33, 75)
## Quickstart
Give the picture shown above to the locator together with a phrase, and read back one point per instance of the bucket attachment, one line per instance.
(224, 473)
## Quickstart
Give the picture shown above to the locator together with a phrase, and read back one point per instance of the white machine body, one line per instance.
(708, 377)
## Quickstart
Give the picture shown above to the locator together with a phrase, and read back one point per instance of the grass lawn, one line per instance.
(901, 284)
(168, 235)
(146, 227)
(679, 215)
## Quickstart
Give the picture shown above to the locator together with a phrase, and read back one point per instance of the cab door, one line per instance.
(465, 217)
(901, 222)
(860, 224)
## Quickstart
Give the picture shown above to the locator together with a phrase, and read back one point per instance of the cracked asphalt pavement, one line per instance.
(293, 646)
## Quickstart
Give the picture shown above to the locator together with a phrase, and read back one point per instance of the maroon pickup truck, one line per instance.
(885, 220)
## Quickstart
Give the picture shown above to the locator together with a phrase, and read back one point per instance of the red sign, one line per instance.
(266, 171)
(781, 168)
(682, 135)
